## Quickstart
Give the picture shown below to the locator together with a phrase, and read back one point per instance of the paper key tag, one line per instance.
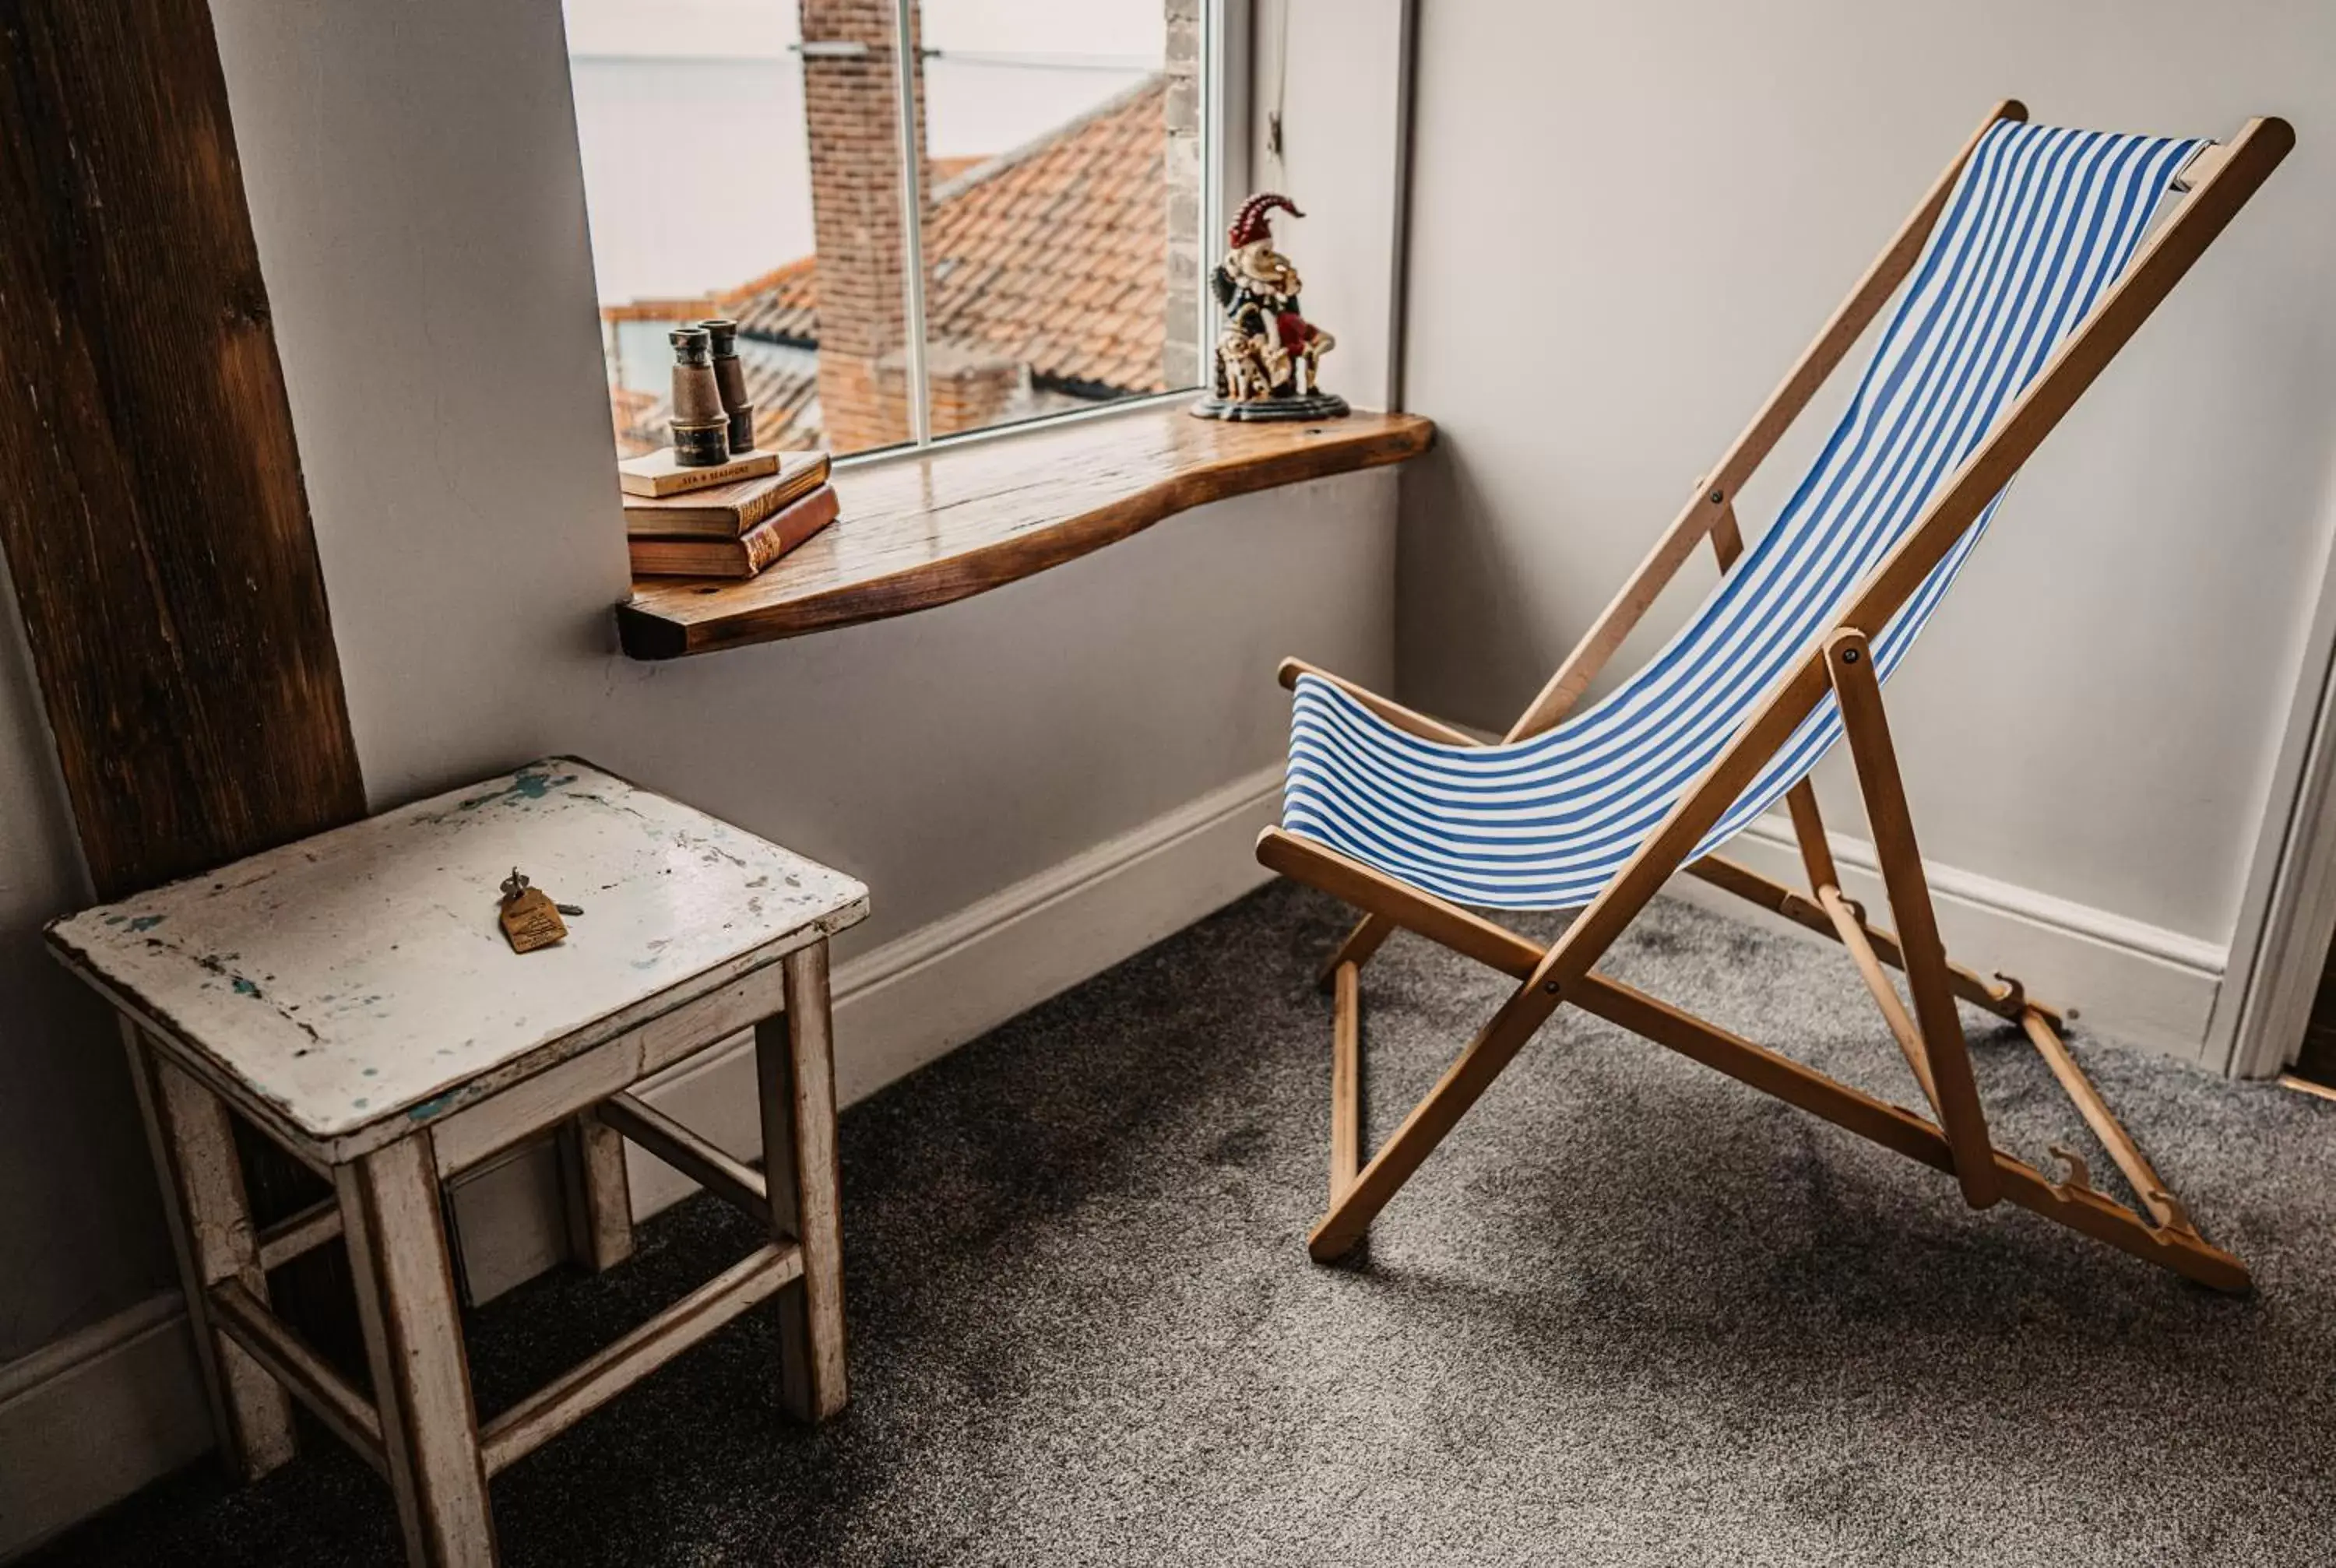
(529, 919)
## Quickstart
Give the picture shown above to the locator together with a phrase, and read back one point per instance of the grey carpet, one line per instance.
(1633, 1314)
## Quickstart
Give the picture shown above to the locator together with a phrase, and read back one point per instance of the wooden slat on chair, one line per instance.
(2006, 1000)
(2139, 1173)
(1895, 1017)
(1946, 1072)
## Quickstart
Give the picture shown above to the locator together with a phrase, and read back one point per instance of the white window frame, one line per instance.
(1225, 114)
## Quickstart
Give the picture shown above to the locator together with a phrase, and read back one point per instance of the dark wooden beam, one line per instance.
(151, 506)
(151, 499)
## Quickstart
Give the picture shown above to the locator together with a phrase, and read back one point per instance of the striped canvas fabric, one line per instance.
(2040, 223)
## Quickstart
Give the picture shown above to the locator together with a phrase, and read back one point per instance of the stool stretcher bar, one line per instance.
(567, 1399)
(304, 1232)
(731, 1180)
(541, 1416)
(289, 1360)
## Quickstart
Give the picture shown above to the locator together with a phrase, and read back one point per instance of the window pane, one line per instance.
(729, 173)
(1056, 154)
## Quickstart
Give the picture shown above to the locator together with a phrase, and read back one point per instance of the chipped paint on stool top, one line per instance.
(361, 974)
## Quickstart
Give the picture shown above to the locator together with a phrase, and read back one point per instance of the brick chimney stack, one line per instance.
(855, 202)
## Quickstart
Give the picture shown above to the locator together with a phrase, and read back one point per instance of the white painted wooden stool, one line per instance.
(352, 995)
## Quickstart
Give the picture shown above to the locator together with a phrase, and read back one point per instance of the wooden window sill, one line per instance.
(916, 532)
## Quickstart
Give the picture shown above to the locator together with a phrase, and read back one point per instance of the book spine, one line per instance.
(756, 509)
(792, 490)
(790, 528)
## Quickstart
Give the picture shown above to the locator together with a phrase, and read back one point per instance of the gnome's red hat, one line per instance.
(1254, 220)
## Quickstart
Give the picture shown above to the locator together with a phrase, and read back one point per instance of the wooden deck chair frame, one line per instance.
(2213, 187)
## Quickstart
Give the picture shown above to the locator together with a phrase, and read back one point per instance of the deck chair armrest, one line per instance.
(1394, 713)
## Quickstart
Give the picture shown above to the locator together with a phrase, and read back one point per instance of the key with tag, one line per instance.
(529, 919)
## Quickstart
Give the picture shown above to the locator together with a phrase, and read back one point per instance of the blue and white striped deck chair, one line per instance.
(2028, 266)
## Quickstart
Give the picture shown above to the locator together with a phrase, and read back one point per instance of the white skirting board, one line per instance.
(90, 1418)
(2136, 984)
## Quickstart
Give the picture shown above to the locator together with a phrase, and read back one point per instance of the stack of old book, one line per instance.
(731, 520)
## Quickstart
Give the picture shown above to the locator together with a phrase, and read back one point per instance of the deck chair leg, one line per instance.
(1849, 663)
(1345, 1080)
(1469, 1075)
(1902, 1028)
(1357, 949)
(2006, 998)
(1808, 828)
(2139, 1173)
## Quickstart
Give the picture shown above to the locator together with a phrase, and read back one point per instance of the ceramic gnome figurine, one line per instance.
(1268, 351)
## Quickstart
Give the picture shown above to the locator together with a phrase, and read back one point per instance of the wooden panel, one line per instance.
(917, 533)
(488, 1125)
(151, 501)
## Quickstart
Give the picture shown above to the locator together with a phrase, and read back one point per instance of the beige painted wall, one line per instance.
(1629, 219)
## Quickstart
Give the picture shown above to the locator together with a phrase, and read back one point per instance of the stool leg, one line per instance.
(193, 1145)
(795, 1064)
(600, 1196)
(413, 1340)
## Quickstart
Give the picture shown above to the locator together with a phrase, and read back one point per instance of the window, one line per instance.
(745, 159)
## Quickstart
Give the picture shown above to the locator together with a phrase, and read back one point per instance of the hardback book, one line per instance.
(726, 511)
(657, 473)
(742, 556)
